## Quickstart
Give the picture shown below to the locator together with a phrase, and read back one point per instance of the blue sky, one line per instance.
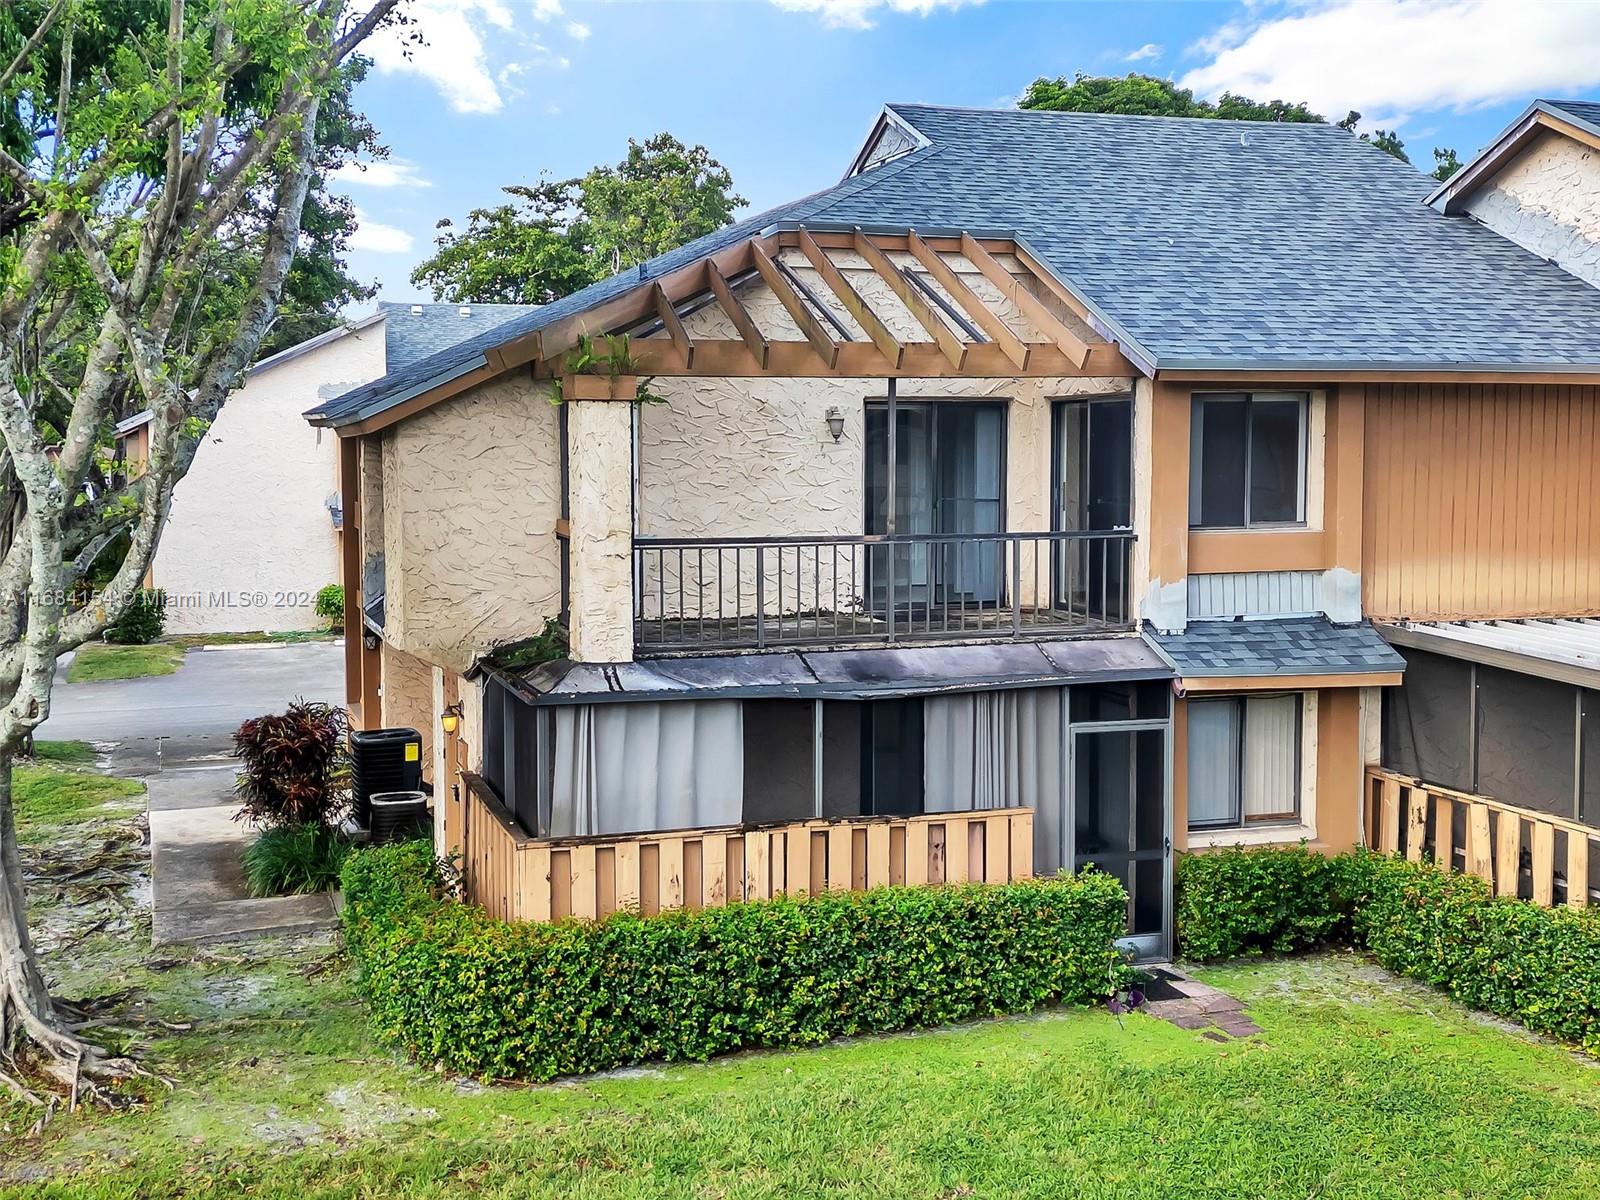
(783, 91)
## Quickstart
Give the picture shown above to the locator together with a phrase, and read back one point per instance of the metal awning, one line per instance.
(1566, 649)
(844, 674)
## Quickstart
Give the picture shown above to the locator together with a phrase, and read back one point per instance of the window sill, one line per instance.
(1261, 835)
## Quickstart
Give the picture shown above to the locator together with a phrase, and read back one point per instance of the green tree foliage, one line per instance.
(557, 236)
(1148, 96)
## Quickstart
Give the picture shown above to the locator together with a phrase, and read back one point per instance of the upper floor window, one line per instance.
(1247, 460)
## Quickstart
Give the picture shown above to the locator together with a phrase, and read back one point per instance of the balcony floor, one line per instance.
(708, 634)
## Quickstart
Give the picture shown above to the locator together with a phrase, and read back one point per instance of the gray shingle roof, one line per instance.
(1198, 243)
(1277, 646)
(1583, 112)
(410, 336)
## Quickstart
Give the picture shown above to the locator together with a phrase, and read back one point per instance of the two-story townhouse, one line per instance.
(1008, 507)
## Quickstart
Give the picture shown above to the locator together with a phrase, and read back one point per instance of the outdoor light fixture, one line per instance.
(450, 718)
(835, 423)
(370, 641)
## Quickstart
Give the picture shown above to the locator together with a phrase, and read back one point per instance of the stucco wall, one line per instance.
(250, 539)
(408, 700)
(1548, 200)
(470, 501)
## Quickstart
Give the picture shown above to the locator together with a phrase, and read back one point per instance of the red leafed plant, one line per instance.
(296, 766)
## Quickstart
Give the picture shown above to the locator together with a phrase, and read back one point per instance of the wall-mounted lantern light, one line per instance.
(370, 641)
(835, 423)
(450, 719)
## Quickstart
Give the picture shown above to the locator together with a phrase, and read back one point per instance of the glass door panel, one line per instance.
(1093, 491)
(1119, 807)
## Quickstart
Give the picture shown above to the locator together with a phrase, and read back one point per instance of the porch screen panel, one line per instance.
(1527, 741)
(1271, 758)
(998, 750)
(1427, 720)
(1589, 796)
(1213, 762)
(634, 768)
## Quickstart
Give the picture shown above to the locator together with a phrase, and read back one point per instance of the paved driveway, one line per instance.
(208, 696)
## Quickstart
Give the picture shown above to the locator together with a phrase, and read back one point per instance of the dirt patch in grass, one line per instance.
(100, 661)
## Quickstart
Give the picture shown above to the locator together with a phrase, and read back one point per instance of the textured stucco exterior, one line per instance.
(408, 700)
(1547, 199)
(250, 539)
(600, 451)
(470, 501)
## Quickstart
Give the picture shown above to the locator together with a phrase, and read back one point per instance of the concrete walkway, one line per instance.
(195, 849)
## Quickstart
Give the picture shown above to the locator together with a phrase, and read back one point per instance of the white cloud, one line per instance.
(1391, 58)
(577, 31)
(452, 56)
(378, 237)
(858, 14)
(1148, 52)
(383, 173)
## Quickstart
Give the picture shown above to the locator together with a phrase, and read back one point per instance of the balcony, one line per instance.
(709, 595)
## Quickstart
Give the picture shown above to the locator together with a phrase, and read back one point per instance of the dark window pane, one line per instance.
(1526, 740)
(1218, 462)
(1427, 720)
(778, 760)
(892, 757)
(1274, 460)
(1213, 753)
(843, 788)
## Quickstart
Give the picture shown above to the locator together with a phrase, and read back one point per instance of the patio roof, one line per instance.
(843, 674)
(1561, 648)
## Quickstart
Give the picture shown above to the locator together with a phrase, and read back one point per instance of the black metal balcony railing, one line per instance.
(759, 593)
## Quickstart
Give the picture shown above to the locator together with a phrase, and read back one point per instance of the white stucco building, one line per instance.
(255, 524)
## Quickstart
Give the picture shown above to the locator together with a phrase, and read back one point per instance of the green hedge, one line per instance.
(504, 999)
(1538, 966)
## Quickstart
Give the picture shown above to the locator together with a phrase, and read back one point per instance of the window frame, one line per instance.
(1196, 465)
(1238, 820)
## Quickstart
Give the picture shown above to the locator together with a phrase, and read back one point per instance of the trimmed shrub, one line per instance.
(330, 605)
(1539, 966)
(1254, 901)
(295, 766)
(142, 621)
(294, 859)
(502, 999)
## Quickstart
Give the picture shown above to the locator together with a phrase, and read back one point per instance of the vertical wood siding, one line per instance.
(1482, 500)
(1253, 594)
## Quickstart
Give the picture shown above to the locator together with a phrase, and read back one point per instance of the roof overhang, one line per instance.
(1565, 649)
(1538, 117)
(1310, 372)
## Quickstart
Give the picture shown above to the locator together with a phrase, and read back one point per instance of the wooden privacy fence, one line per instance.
(1518, 851)
(517, 877)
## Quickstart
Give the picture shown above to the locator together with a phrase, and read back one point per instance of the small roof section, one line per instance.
(1579, 119)
(414, 332)
(844, 674)
(1276, 646)
(1561, 648)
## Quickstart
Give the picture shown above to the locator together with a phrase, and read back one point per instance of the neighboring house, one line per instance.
(1019, 503)
(254, 528)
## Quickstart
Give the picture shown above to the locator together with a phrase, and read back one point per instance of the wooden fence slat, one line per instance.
(1508, 855)
(936, 870)
(693, 872)
(628, 876)
(996, 849)
(822, 865)
(797, 857)
(1544, 864)
(758, 865)
(1577, 871)
(1480, 860)
(957, 850)
(1022, 846)
(877, 854)
(1444, 832)
(585, 891)
(1416, 822)
(714, 870)
(671, 858)
(649, 878)
(1389, 817)
(841, 844)
(917, 852)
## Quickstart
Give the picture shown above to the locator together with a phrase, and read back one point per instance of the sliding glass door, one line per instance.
(1093, 453)
(949, 471)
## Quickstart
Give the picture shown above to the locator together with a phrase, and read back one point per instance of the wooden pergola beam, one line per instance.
(1073, 346)
(852, 300)
(826, 348)
(951, 346)
(674, 327)
(737, 313)
(982, 315)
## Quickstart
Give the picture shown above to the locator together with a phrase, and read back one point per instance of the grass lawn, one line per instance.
(73, 753)
(101, 660)
(286, 637)
(1361, 1086)
(48, 795)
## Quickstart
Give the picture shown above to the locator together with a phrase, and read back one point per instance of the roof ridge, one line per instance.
(897, 106)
